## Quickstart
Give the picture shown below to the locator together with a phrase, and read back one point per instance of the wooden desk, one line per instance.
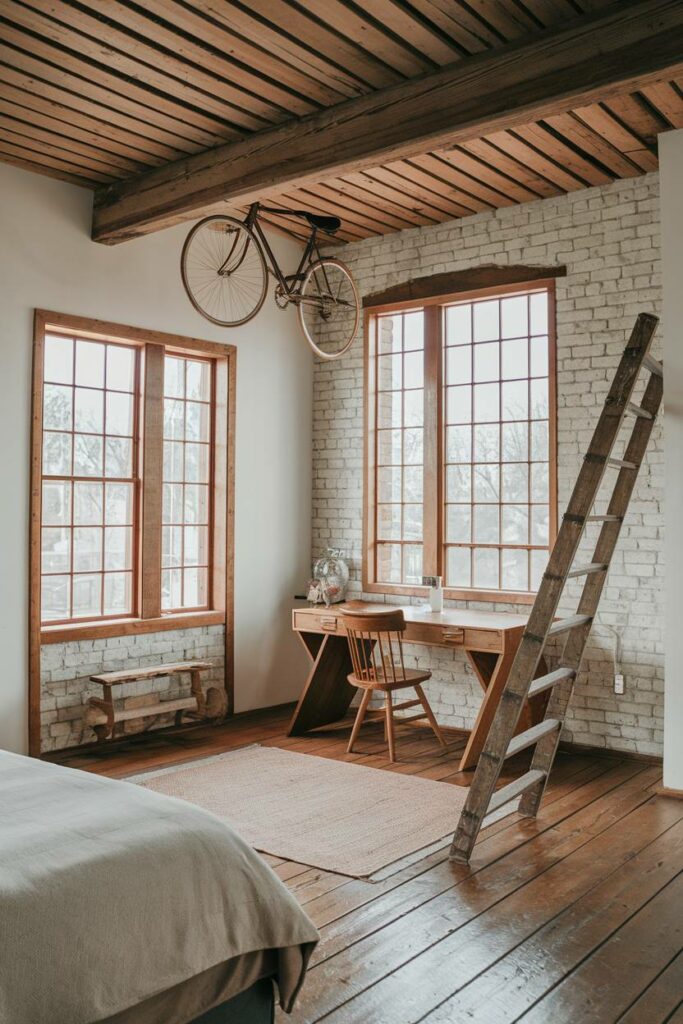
(488, 639)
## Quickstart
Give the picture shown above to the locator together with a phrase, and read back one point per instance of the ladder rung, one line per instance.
(533, 735)
(571, 622)
(503, 795)
(653, 365)
(550, 679)
(585, 570)
(544, 736)
(410, 718)
(637, 410)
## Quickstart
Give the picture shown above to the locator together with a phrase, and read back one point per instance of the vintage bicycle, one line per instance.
(225, 265)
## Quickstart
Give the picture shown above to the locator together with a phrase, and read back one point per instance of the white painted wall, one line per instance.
(671, 178)
(48, 260)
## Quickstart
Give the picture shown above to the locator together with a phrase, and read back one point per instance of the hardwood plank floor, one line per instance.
(573, 918)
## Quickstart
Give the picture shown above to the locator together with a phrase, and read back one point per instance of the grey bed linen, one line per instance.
(184, 1003)
(111, 894)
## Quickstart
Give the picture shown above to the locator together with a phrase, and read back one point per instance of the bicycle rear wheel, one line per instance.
(224, 271)
(329, 308)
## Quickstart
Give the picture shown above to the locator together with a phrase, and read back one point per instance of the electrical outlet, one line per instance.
(619, 683)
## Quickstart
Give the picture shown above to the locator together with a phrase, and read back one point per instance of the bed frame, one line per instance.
(256, 1005)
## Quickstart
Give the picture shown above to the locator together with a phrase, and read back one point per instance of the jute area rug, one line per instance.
(333, 815)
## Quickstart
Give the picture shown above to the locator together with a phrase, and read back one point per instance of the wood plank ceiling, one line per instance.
(93, 91)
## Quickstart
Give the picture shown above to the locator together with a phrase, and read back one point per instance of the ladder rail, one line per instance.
(572, 653)
(528, 655)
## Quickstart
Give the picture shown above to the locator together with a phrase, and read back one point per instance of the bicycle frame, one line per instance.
(322, 282)
(287, 283)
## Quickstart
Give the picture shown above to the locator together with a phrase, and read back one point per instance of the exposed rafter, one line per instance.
(631, 46)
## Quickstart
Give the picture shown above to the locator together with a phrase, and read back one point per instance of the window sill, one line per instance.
(490, 596)
(128, 627)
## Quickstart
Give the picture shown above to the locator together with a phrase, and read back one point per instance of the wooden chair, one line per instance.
(376, 646)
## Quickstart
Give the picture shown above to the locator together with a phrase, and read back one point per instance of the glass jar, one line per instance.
(330, 578)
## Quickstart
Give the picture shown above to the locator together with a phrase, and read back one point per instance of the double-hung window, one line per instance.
(461, 437)
(90, 479)
(186, 506)
(131, 476)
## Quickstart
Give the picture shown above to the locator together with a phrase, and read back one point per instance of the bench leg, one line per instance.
(197, 692)
(109, 712)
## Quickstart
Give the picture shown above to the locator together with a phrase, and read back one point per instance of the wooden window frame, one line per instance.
(103, 479)
(408, 297)
(211, 524)
(154, 345)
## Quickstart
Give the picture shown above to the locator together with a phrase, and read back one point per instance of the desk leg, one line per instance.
(492, 671)
(327, 695)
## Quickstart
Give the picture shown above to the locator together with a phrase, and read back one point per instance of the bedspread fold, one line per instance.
(111, 894)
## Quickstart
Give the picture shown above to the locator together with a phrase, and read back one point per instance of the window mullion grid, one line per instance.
(402, 535)
(528, 440)
(104, 472)
(472, 463)
(150, 498)
(500, 447)
(182, 502)
(72, 530)
(375, 461)
(135, 518)
(433, 461)
(512, 504)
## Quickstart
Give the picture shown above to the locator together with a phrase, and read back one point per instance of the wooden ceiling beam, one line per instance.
(630, 46)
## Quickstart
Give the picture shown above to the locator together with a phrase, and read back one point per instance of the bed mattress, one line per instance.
(112, 895)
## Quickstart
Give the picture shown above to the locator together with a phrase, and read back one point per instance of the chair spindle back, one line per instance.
(376, 645)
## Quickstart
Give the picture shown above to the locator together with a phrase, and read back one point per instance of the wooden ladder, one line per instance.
(501, 743)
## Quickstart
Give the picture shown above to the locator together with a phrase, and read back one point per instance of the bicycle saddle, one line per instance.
(316, 220)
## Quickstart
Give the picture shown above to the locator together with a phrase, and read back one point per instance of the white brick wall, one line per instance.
(66, 670)
(608, 238)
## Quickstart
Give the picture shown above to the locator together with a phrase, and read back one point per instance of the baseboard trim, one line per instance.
(565, 747)
(623, 755)
(134, 739)
(676, 794)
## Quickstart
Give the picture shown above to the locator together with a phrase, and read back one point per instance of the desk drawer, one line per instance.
(484, 639)
(453, 636)
(431, 633)
(318, 622)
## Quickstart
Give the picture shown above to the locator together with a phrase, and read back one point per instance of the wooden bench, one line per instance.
(103, 715)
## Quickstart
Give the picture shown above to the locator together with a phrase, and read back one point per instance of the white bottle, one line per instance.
(435, 592)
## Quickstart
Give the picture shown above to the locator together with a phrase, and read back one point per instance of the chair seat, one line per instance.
(411, 676)
(376, 651)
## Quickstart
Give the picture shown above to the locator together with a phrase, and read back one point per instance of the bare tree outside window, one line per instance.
(462, 431)
(497, 492)
(90, 415)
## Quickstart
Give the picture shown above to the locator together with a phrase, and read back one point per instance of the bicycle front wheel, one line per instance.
(329, 308)
(224, 271)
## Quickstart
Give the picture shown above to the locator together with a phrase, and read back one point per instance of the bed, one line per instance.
(122, 906)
